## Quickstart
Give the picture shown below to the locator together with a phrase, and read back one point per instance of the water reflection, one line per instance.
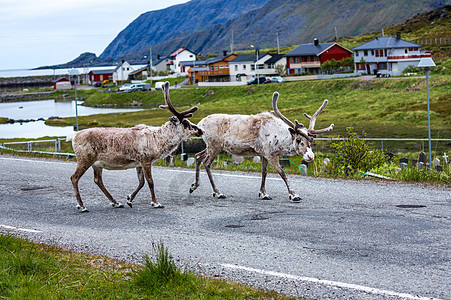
(44, 109)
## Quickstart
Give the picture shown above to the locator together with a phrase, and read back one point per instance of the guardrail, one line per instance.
(57, 144)
(29, 144)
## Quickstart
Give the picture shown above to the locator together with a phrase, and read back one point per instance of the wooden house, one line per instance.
(310, 57)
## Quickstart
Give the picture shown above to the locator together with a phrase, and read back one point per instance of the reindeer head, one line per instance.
(181, 118)
(301, 136)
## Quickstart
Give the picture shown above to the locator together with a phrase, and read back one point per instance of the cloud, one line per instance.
(45, 32)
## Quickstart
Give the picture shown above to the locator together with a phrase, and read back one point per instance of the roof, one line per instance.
(60, 79)
(138, 71)
(176, 52)
(275, 58)
(244, 58)
(309, 49)
(386, 42)
(101, 72)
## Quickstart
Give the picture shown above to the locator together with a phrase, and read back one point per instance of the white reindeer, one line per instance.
(123, 148)
(250, 135)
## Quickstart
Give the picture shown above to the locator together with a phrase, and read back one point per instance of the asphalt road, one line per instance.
(346, 239)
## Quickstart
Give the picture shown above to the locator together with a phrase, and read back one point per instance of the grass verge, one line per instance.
(37, 271)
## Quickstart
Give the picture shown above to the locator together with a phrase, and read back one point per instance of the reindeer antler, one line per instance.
(180, 115)
(295, 125)
(311, 129)
(311, 132)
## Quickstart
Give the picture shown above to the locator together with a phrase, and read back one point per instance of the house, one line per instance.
(62, 83)
(162, 64)
(387, 54)
(178, 56)
(139, 74)
(212, 70)
(246, 66)
(309, 57)
(120, 74)
(97, 76)
(270, 64)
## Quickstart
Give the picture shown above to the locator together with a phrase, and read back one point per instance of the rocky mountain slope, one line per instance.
(206, 26)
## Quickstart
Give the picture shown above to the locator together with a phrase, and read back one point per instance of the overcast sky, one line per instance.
(35, 33)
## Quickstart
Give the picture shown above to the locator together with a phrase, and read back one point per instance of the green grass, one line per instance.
(381, 107)
(38, 271)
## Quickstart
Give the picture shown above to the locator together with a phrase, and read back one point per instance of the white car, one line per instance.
(131, 87)
(277, 79)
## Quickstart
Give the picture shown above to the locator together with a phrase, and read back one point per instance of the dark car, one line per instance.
(257, 80)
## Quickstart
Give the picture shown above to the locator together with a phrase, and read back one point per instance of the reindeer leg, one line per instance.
(98, 180)
(199, 158)
(75, 178)
(207, 163)
(147, 168)
(132, 196)
(262, 195)
(275, 163)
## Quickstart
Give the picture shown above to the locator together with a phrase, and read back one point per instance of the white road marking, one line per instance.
(20, 229)
(362, 288)
(32, 160)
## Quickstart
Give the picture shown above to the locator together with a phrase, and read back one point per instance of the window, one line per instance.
(372, 52)
(216, 68)
(382, 66)
(252, 67)
(357, 53)
(365, 52)
(236, 67)
(379, 53)
(244, 67)
(405, 51)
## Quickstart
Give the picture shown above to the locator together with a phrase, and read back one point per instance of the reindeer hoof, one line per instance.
(220, 196)
(83, 209)
(295, 199)
(117, 205)
(192, 188)
(157, 205)
(264, 196)
(129, 203)
(129, 197)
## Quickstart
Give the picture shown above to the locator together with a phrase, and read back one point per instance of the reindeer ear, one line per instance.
(174, 120)
(293, 133)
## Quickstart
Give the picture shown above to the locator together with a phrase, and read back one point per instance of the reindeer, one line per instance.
(250, 135)
(123, 148)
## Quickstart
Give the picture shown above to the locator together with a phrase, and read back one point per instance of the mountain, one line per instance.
(206, 26)
(178, 21)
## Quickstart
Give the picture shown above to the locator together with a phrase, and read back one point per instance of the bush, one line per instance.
(351, 156)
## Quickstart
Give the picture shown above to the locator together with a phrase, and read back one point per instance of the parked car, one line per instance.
(159, 85)
(277, 79)
(257, 80)
(124, 88)
(135, 87)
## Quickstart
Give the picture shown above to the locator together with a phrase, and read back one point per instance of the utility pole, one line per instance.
(277, 36)
(231, 43)
(150, 58)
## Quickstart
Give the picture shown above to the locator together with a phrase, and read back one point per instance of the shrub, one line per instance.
(351, 156)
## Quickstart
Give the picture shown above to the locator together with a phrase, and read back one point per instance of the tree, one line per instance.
(281, 70)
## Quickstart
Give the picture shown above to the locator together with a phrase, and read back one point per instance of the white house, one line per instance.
(177, 57)
(122, 71)
(246, 66)
(387, 54)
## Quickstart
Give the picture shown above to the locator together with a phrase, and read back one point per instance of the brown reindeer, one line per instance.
(250, 135)
(123, 148)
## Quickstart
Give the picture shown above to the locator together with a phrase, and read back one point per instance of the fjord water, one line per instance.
(44, 109)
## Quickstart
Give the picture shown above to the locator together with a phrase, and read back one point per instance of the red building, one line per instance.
(100, 75)
(309, 57)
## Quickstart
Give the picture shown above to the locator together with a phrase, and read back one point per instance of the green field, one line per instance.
(392, 107)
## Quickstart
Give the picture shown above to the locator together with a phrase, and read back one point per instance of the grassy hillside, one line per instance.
(393, 107)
